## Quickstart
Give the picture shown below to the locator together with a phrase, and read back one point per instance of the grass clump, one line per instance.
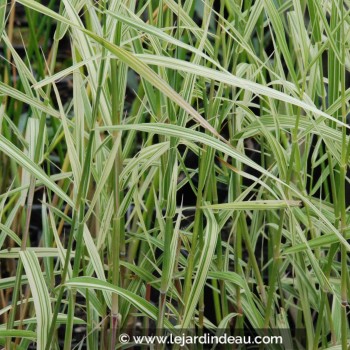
(179, 164)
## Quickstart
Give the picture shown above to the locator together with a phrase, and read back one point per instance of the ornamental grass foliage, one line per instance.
(176, 165)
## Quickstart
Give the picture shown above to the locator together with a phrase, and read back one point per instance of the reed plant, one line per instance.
(183, 165)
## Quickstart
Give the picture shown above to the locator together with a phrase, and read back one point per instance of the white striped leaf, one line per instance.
(19, 157)
(40, 294)
(138, 302)
(211, 235)
(189, 134)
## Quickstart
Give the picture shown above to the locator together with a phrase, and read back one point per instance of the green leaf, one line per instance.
(322, 241)
(14, 333)
(3, 5)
